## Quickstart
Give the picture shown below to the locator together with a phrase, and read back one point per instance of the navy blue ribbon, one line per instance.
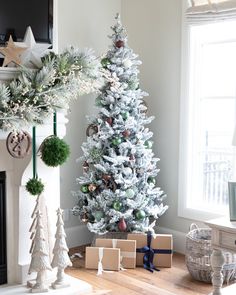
(149, 254)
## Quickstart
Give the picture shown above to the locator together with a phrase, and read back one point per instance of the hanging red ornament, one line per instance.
(109, 121)
(122, 224)
(120, 43)
(126, 133)
(85, 166)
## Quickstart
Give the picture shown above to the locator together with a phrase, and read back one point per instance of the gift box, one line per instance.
(153, 251)
(102, 258)
(127, 250)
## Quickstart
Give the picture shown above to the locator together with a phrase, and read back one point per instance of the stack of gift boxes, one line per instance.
(147, 250)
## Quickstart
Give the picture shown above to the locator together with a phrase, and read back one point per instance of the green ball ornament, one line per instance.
(129, 193)
(151, 180)
(84, 188)
(34, 186)
(105, 62)
(140, 214)
(54, 151)
(125, 115)
(116, 141)
(98, 215)
(148, 144)
(117, 205)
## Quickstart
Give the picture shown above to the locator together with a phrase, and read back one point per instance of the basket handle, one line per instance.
(193, 226)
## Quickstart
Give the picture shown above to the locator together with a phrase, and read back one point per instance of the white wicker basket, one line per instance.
(198, 252)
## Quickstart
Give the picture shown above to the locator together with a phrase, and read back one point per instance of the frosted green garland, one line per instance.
(36, 94)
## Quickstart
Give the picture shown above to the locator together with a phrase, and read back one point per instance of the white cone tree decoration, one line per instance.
(61, 258)
(40, 260)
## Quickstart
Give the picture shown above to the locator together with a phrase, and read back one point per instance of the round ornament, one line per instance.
(117, 205)
(85, 167)
(109, 121)
(125, 115)
(18, 144)
(116, 141)
(148, 144)
(129, 193)
(127, 171)
(84, 217)
(122, 225)
(54, 151)
(91, 130)
(140, 214)
(151, 179)
(127, 63)
(106, 177)
(98, 215)
(105, 62)
(84, 188)
(126, 133)
(92, 187)
(34, 186)
(120, 43)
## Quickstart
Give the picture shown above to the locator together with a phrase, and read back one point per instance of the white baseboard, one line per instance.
(78, 235)
(179, 238)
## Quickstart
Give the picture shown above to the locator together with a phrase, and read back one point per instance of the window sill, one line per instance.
(199, 215)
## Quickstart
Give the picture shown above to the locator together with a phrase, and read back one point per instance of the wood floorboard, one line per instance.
(169, 281)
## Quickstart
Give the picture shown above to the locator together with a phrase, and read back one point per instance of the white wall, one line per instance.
(81, 23)
(154, 28)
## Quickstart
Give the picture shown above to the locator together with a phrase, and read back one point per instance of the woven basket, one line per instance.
(198, 253)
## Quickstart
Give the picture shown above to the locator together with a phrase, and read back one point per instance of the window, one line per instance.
(208, 117)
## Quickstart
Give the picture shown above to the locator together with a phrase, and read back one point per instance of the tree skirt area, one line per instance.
(77, 287)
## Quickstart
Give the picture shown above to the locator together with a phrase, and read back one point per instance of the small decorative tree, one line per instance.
(61, 258)
(40, 260)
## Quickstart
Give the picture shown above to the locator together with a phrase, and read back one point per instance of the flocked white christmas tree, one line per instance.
(117, 191)
(60, 253)
(39, 260)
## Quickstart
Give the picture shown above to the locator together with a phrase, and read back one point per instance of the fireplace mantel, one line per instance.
(20, 203)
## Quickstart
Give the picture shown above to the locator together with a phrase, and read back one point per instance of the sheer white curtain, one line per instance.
(205, 11)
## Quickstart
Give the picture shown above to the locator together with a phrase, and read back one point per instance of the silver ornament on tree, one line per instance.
(60, 254)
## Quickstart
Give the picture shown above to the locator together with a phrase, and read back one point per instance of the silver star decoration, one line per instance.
(32, 56)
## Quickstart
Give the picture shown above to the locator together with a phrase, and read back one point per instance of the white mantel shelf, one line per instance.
(7, 74)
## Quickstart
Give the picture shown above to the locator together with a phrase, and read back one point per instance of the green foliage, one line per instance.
(54, 151)
(34, 186)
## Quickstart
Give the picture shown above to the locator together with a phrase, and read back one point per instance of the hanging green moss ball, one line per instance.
(55, 151)
(34, 186)
(140, 214)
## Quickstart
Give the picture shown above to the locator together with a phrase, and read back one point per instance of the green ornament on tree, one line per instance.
(54, 151)
(98, 215)
(34, 186)
(151, 179)
(129, 193)
(148, 144)
(116, 141)
(84, 188)
(140, 214)
(117, 205)
(105, 62)
(125, 115)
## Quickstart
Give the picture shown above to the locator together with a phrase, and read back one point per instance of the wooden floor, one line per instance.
(168, 281)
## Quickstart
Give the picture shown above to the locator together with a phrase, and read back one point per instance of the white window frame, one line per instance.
(183, 209)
